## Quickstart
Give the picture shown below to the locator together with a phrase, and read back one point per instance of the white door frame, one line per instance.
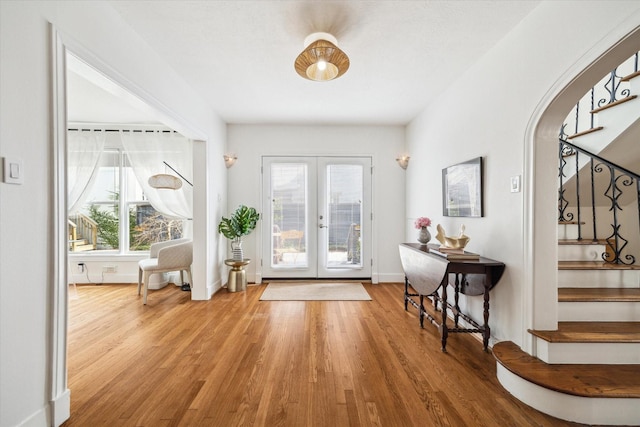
(313, 269)
(60, 396)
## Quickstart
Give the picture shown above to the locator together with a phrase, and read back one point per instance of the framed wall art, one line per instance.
(462, 189)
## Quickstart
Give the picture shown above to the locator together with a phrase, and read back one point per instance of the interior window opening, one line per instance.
(110, 208)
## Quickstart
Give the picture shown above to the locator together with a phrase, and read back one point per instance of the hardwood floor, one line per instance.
(236, 361)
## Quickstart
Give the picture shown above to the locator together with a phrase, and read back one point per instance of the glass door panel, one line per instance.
(343, 199)
(287, 182)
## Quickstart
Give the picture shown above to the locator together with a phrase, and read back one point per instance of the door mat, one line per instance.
(315, 291)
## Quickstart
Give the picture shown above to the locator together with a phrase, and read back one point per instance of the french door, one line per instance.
(316, 216)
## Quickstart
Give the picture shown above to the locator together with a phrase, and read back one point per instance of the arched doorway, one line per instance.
(540, 293)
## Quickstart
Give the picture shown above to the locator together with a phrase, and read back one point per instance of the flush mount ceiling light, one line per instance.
(321, 60)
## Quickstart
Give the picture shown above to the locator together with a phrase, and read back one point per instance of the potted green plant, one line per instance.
(240, 223)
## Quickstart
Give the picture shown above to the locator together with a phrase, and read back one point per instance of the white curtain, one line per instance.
(84, 149)
(146, 152)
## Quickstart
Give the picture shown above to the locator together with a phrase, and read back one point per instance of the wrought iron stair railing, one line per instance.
(599, 172)
(612, 89)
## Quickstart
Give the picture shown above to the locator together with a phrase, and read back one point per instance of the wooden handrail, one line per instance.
(73, 235)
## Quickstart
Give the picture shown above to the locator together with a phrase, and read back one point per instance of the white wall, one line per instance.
(485, 113)
(382, 143)
(491, 112)
(26, 228)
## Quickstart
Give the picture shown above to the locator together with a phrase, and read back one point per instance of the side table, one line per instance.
(237, 276)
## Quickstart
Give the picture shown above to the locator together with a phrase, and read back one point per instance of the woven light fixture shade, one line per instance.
(321, 60)
(165, 182)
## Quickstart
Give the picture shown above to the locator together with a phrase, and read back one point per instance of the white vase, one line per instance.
(424, 236)
(236, 249)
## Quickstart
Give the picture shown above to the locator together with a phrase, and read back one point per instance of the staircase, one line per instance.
(598, 308)
(83, 233)
(588, 369)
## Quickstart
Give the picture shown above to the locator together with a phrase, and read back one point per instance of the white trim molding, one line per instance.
(59, 392)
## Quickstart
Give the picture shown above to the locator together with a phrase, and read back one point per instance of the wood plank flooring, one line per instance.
(238, 361)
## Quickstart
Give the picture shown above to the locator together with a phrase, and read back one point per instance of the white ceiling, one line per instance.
(239, 55)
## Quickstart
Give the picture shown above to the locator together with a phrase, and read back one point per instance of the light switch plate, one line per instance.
(13, 170)
(515, 184)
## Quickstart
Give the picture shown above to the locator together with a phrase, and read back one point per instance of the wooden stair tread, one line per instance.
(614, 103)
(582, 242)
(630, 76)
(599, 294)
(585, 380)
(594, 265)
(592, 332)
(585, 132)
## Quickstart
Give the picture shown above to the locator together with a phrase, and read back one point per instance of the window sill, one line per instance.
(109, 257)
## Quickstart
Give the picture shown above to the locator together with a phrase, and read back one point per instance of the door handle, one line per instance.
(323, 226)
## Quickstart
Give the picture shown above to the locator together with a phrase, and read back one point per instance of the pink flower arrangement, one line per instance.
(422, 222)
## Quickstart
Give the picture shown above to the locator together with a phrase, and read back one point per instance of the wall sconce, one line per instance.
(403, 161)
(230, 160)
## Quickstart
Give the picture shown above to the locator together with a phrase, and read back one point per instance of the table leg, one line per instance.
(406, 292)
(456, 307)
(486, 333)
(444, 332)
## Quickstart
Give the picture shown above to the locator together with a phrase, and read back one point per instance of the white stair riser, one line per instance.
(598, 278)
(567, 231)
(615, 121)
(603, 311)
(580, 252)
(594, 353)
(585, 410)
(634, 85)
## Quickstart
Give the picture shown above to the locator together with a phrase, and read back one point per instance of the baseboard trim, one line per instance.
(389, 278)
(38, 419)
(61, 408)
